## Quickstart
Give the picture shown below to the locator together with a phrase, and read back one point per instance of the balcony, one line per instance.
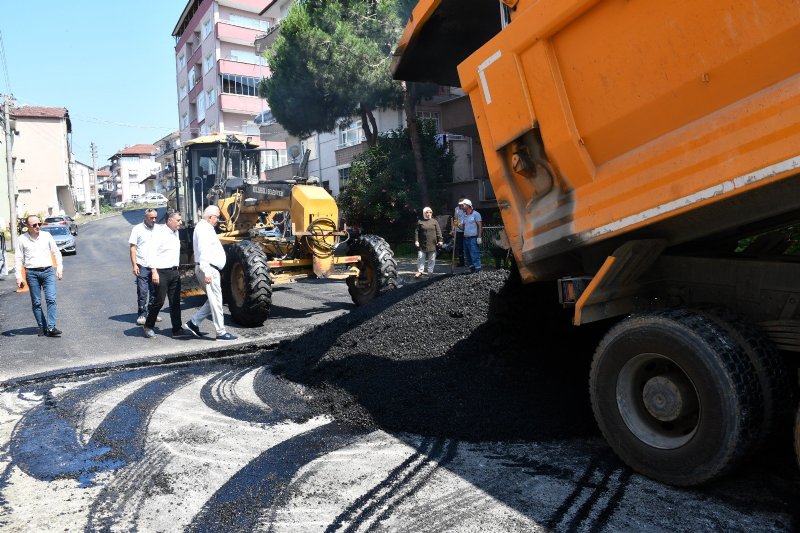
(229, 33)
(457, 117)
(345, 155)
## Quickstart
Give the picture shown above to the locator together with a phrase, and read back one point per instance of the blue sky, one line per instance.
(110, 63)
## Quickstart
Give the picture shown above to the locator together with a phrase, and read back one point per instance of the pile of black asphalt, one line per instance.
(471, 357)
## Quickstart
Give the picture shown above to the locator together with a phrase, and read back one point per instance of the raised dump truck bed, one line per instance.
(641, 153)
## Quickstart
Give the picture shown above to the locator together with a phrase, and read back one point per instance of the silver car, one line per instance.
(62, 220)
(65, 241)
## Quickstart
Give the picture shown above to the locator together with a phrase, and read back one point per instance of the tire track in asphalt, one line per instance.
(46, 442)
(400, 484)
(431, 465)
(119, 503)
(230, 393)
(580, 510)
(278, 400)
(261, 485)
(362, 502)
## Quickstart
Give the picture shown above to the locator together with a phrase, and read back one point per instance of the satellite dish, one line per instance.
(294, 151)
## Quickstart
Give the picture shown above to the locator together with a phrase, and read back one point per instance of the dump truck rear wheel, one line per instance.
(675, 396)
(768, 365)
(378, 269)
(797, 436)
(246, 284)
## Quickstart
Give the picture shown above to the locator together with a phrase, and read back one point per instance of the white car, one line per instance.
(152, 198)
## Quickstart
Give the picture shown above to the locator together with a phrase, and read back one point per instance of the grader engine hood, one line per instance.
(440, 34)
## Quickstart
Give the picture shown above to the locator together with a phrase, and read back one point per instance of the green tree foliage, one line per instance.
(331, 60)
(382, 195)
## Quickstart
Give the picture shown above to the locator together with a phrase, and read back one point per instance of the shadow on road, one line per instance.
(20, 331)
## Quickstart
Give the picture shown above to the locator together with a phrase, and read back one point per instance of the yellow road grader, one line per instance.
(272, 231)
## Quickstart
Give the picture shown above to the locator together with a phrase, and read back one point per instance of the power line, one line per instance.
(95, 120)
(5, 64)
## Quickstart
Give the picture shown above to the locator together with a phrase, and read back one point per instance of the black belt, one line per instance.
(38, 269)
(168, 268)
(218, 269)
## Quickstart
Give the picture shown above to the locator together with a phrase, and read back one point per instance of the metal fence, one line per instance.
(490, 236)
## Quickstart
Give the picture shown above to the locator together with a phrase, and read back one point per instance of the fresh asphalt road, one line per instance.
(97, 313)
(221, 444)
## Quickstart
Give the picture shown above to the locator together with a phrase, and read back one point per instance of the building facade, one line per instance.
(41, 161)
(130, 169)
(165, 157)
(218, 70)
(84, 188)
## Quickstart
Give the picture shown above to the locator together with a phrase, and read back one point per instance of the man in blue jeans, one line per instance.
(473, 227)
(36, 251)
(139, 242)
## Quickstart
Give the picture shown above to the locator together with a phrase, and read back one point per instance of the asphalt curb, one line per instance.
(241, 349)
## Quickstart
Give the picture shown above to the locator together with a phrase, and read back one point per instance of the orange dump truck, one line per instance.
(646, 161)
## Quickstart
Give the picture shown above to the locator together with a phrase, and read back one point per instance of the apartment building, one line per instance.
(84, 188)
(165, 157)
(131, 167)
(41, 160)
(218, 70)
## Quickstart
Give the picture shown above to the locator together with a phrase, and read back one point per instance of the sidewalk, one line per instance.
(407, 268)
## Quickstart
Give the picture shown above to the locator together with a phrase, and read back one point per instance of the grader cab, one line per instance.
(272, 231)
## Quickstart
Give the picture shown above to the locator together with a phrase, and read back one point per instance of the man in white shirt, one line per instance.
(209, 256)
(139, 242)
(36, 251)
(164, 258)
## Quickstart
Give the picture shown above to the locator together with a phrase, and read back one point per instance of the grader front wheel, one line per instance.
(248, 291)
(378, 269)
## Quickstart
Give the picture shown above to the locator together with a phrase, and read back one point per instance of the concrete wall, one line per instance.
(42, 165)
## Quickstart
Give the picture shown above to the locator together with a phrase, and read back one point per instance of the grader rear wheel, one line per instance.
(378, 269)
(247, 287)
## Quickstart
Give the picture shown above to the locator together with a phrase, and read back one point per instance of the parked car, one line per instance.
(62, 220)
(65, 241)
(152, 198)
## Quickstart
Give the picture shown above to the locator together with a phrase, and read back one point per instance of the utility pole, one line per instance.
(12, 187)
(96, 182)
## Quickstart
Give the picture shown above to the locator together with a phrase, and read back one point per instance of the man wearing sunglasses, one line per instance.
(36, 251)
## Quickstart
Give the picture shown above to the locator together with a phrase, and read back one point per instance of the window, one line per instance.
(192, 78)
(309, 143)
(429, 117)
(211, 97)
(201, 106)
(208, 63)
(204, 129)
(183, 92)
(207, 25)
(344, 177)
(248, 22)
(244, 56)
(184, 121)
(275, 160)
(181, 61)
(351, 134)
(244, 85)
